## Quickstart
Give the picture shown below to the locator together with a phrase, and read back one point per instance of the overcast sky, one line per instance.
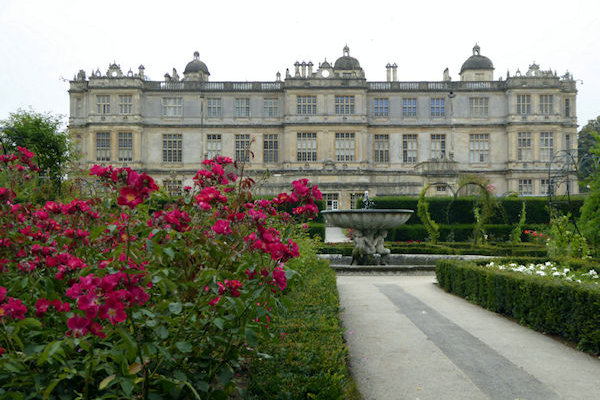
(44, 42)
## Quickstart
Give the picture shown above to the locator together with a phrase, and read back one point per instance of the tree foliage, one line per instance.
(590, 211)
(42, 134)
(587, 145)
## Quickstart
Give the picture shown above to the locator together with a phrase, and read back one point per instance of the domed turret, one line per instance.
(477, 67)
(196, 70)
(348, 67)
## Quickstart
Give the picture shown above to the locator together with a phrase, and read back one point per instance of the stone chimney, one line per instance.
(388, 72)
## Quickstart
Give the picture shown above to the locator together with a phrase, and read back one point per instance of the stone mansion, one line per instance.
(329, 124)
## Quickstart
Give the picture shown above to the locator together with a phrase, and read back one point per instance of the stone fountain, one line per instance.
(369, 229)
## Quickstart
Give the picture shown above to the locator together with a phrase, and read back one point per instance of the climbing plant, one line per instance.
(433, 229)
(485, 204)
(515, 235)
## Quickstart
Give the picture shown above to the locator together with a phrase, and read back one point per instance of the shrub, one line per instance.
(102, 299)
(557, 307)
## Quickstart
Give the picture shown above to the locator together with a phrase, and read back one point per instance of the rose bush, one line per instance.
(110, 298)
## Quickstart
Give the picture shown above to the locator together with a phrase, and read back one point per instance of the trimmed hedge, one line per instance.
(498, 249)
(557, 307)
(307, 352)
(453, 232)
(316, 229)
(447, 210)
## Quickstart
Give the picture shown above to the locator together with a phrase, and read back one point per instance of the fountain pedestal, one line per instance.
(369, 229)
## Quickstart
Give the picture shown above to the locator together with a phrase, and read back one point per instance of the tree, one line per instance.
(40, 133)
(586, 141)
(590, 211)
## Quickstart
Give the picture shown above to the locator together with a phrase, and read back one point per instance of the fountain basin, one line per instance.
(371, 219)
(370, 227)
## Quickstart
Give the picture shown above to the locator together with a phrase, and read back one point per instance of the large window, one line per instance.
(271, 107)
(125, 103)
(546, 105)
(242, 107)
(172, 147)
(546, 186)
(525, 187)
(307, 105)
(344, 146)
(479, 106)
(103, 104)
(307, 146)
(438, 146)
(242, 147)
(524, 146)
(103, 146)
(409, 149)
(479, 147)
(409, 107)
(381, 149)
(213, 145)
(125, 146)
(172, 106)
(523, 104)
(438, 107)
(214, 107)
(331, 200)
(381, 107)
(344, 105)
(271, 148)
(546, 146)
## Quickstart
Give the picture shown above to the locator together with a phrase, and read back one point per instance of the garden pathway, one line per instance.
(409, 339)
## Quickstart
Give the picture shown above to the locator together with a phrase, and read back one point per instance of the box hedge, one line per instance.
(499, 250)
(553, 306)
(307, 354)
(448, 210)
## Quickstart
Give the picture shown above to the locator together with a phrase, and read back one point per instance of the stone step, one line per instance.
(421, 269)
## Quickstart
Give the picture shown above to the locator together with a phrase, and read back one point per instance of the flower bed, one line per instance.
(550, 270)
(101, 298)
(569, 308)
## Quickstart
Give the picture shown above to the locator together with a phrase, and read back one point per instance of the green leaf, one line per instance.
(218, 323)
(178, 374)
(225, 374)
(175, 308)
(202, 386)
(104, 383)
(51, 387)
(250, 336)
(184, 347)
(162, 332)
(128, 341)
(127, 386)
(29, 322)
(48, 351)
(169, 251)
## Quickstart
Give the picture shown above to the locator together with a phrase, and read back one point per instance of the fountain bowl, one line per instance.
(368, 220)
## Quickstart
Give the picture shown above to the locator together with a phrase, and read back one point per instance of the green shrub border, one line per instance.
(308, 356)
(496, 249)
(569, 310)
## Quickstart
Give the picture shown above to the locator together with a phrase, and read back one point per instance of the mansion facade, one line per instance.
(329, 124)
